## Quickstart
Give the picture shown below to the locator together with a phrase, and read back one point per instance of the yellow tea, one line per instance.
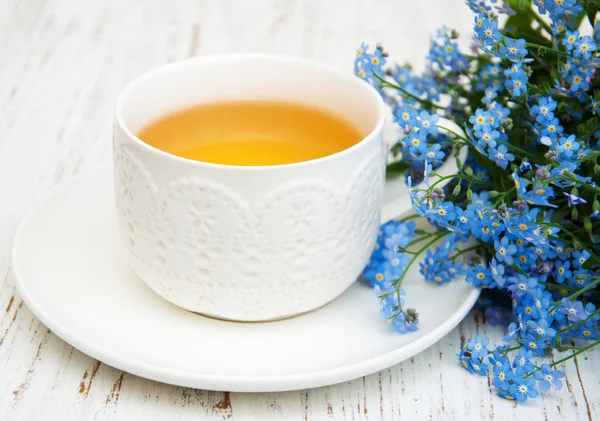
(251, 133)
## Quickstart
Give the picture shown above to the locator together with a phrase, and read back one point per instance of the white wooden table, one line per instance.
(62, 64)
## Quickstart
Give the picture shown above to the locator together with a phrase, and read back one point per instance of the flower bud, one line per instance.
(587, 224)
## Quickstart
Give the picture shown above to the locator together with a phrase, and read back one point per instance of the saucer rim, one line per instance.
(186, 378)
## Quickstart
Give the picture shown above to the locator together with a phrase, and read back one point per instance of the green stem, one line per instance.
(408, 218)
(506, 193)
(573, 355)
(541, 47)
(579, 323)
(576, 240)
(557, 286)
(453, 258)
(582, 290)
(581, 350)
(516, 148)
(461, 176)
(581, 183)
(406, 93)
(506, 351)
(454, 133)
(589, 157)
(422, 238)
(539, 20)
(398, 282)
(518, 269)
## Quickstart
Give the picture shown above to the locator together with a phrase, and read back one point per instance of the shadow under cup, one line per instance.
(248, 243)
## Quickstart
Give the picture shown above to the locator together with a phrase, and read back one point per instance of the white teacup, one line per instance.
(248, 243)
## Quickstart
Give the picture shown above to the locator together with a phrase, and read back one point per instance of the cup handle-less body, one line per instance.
(401, 205)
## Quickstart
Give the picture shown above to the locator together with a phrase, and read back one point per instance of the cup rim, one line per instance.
(248, 56)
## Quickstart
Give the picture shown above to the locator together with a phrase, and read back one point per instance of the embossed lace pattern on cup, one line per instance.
(200, 245)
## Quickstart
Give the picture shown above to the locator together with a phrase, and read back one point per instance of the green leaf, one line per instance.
(520, 25)
(520, 4)
(557, 341)
(589, 263)
(396, 168)
(559, 215)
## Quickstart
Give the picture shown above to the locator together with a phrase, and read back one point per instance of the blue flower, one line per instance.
(547, 377)
(501, 114)
(574, 200)
(525, 166)
(541, 6)
(536, 346)
(479, 275)
(544, 109)
(570, 39)
(497, 272)
(521, 285)
(525, 388)
(580, 257)
(478, 345)
(505, 250)
(401, 325)
(568, 145)
(478, 21)
(487, 136)
(539, 195)
(552, 128)
(513, 330)
(479, 120)
(523, 362)
(432, 153)
(497, 315)
(501, 156)
(362, 50)
(514, 50)
(428, 122)
(405, 117)
(561, 271)
(517, 86)
(475, 365)
(491, 94)
(442, 212)
(488, 33)
(520, 184)
(416, 140)
(584, 47)
(578, 82)
(503, 374)
(515, 71)
(573, 310)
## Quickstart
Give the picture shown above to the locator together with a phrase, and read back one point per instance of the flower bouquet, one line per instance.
(523, 211)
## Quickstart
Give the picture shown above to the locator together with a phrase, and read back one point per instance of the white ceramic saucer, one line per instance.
(72, 272)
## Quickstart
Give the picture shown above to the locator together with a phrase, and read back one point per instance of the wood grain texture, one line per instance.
(62, 65)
